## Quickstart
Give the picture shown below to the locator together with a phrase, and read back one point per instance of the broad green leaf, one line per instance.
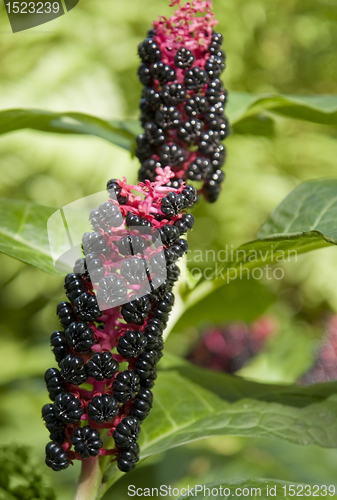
(184, 411)
(246, 113)
(233, 388)
(67, 123)
(305, 220)
(315, 108)
(257, 488)
(23, 233)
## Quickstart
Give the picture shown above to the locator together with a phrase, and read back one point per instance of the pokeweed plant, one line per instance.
(119, 299)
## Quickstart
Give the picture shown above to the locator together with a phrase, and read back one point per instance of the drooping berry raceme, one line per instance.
(183, 99)
(119, 300)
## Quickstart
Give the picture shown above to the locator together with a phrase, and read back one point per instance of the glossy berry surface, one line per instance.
(87, 441)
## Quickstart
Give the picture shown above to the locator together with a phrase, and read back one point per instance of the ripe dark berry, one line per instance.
(213, 185)
(154, 327)
(184, 58)
(131, 344)
(80, 337)
(171, 155)
(106, 216)
(173, 272)
(198, 169)
(52, 421)
(173, 94)
(95, 267)
(171, 204)
(168, 234)
(86, 441)
(145, 75)
(102, 366)
(65, 313)
(214, 66)
(56, 458)
(73, 285)
(126, 432)
(216, 121)
(167, 117)
(216, 42)
(86, 307)
(164, 307)
(125, 386)
(158, 263)
(136, 310)
(135, 222)
(209, 141)
(195, 78)
(190, 195)
(154, 134)
(59, 345)
(163, 73)
(114, 189)
(152, 97)
(196, 106)
(218, 156)
(146, 364)
(184, 223)
(148, 170)
(148, 383)
(134, 270)
(68, 408)
(142, 404)
(189, 131)
(215, 93)
(128, 458)
(79, 267)
(111, 291)
(143, 149)
(131, 245)
(149, 51)
(73, 369)
(54, 382)
(176, 251)
(102, 408)
(95, 243)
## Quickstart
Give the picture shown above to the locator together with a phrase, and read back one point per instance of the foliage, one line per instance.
(279, 140)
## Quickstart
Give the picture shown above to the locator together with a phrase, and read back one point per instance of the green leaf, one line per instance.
(316, 108)
(248, 114)
(305, 220)
(257, 488)
(117, 133)
(185, 411)
(23, 231)
(233, 388)
(22, 476)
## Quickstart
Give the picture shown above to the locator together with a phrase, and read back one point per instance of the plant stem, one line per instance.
(90, 480)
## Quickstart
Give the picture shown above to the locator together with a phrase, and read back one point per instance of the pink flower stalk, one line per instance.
(119, 302)
(183, 98)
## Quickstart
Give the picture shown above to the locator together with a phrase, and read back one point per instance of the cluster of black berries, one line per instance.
(119, 300)
(182, 113)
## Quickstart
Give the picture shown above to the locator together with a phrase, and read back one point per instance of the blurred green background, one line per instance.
(87, 61)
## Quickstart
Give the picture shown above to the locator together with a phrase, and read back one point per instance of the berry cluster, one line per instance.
(325, 365)
(119, 300)
(183, 100)
(230, 347)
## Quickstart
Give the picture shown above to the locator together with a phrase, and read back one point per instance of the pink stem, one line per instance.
(90, 480)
